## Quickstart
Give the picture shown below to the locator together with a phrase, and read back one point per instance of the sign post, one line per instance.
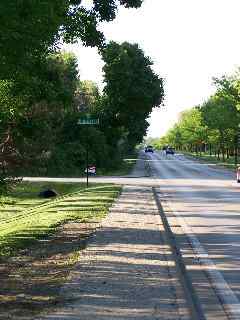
(87, 121)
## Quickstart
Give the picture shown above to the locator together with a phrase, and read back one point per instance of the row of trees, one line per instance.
(212, 126)
(42, 96)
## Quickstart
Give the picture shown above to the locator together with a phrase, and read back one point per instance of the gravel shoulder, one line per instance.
(126, 271)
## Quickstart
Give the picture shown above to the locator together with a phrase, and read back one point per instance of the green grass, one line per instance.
(124, 168)
(25, 217)
(26, 193)
(229, 163)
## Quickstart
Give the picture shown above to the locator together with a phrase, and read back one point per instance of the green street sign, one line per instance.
(88, 121)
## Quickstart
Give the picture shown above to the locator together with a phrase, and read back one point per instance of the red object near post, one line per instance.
(238, 175)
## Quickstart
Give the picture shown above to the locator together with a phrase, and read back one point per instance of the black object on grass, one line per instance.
(48, 193)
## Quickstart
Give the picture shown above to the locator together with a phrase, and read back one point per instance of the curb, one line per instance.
(195, 306)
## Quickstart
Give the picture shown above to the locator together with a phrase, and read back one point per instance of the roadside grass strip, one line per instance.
(26, 225)
(228, 163)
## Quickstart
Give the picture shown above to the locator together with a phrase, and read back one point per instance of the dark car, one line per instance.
(149, 149)
(170, 151)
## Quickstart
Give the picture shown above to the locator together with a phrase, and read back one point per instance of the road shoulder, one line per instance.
(126, 271)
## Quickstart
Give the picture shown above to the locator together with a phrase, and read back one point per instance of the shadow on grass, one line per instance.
(50, 238)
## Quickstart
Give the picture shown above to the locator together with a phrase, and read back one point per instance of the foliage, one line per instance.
(132, 90)
(32, 29)
(189, 130)
(87, 96)
(229, 86)
(191, 127)
(69, 155)
(213, 125)
(42, 97)
(31, 117)
(40, 132)
(220, 113)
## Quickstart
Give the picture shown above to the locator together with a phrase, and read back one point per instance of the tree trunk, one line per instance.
(222, 147)
(227, 152)
(223, 154)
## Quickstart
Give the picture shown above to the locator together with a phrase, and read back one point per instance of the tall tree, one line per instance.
(229, 86)
(132, 90)
(220, 113)
(190, 132)
(32, 117)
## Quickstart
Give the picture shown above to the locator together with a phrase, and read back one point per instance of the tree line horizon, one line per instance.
(213, 126)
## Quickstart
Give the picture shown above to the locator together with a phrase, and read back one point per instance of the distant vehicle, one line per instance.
(170, 150)
(149, 149)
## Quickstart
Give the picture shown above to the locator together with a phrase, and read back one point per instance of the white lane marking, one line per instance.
(225, 294)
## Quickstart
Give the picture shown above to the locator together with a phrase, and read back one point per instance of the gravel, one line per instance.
(126, 271)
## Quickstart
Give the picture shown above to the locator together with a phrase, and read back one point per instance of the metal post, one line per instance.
(87, 121)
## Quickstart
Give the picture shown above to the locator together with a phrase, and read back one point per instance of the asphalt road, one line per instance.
(206, 201)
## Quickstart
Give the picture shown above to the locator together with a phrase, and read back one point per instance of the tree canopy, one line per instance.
(214, 124)
(132, 89)
(31, 118)
(42, 96)
(30, 29)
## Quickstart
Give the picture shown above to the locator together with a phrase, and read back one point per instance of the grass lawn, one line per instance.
(25, 217)
(51, 235)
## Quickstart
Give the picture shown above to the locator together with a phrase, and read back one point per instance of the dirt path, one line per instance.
(31, 280)
(127, 271)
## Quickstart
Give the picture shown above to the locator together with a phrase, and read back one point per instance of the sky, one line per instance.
(189, 42)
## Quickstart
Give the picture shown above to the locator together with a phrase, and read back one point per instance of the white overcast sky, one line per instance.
(189, 41)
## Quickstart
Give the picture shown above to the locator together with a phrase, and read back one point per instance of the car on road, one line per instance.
(149, 149)
(170, 150)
